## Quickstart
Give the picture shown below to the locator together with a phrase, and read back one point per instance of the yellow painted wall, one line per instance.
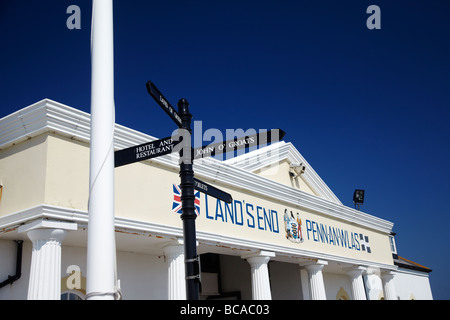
(22, 175)
(280, 173)
(67, 179)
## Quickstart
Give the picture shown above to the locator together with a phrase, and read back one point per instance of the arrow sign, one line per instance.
(212, 191)
(239, 143)
(165, 105)
(144, 151)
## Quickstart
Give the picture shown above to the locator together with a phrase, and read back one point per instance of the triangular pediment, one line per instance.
(282, 162)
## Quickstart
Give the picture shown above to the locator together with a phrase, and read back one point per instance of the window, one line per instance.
(72, 295)
(392, 243)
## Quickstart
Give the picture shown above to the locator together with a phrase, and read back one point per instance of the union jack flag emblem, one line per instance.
(176, 206)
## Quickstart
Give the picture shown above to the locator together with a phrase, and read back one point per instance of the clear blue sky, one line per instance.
(367, 108)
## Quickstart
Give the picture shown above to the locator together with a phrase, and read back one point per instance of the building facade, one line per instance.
(284, 236)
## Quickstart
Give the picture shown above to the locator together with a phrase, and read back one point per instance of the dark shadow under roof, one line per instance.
(408, 264)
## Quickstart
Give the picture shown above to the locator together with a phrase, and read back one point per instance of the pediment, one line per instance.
(282, 162)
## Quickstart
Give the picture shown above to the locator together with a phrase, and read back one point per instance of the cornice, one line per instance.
(272, 155)
(48, 115)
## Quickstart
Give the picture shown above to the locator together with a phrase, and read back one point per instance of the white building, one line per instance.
(285, 236)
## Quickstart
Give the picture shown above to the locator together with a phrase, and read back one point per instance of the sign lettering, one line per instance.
(163, 103)
(212, 191)
(319, 232)
(144, 151)
(239, 143)
(242, 213)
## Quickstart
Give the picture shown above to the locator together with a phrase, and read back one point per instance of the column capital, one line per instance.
(314, 266)
(355, 271)
(258, 260)
(174, 247)
(47, 224)
(260, 254)
(47, 235)
(175, 242)
(387, 275)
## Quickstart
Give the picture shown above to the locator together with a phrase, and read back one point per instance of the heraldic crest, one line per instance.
(293, 227)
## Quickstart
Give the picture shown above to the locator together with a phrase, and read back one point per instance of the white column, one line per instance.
(315, 277)
(45, 272)
(260, 274)
(176, 282)
(356, 278)
(387, 277)
(304, 278)
(101, 251)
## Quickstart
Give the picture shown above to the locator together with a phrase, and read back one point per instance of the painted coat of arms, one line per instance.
(293, 227)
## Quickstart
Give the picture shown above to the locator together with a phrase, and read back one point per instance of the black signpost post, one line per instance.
(189, 184)
(188, 215)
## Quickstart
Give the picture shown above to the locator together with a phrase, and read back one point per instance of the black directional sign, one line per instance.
(144, 151)
(161, 147)
(164, 103)
(239, 143)
(212, 191)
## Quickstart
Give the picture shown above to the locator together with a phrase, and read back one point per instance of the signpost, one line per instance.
(144, 151)
(238, 143)
(212, 191)
(157, 148)
(188, 215)
(165, 105)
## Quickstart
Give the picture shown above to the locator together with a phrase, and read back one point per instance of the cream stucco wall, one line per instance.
(67, 178)
(23, 168)
(280, 173)
(47, 169)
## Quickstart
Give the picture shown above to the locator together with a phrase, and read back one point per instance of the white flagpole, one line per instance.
(101, 252)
